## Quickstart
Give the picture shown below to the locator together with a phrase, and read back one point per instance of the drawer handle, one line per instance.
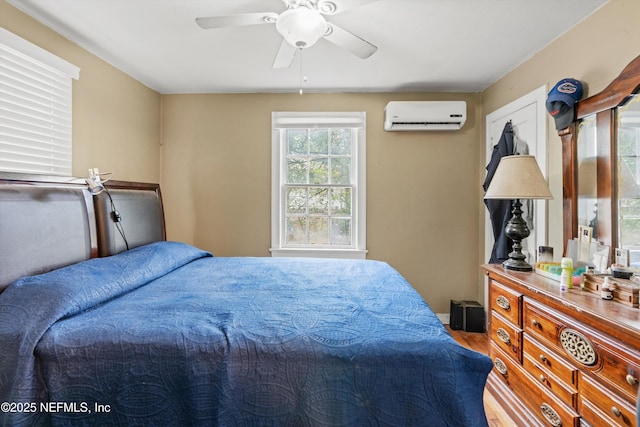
(550, 415)
(535, 323)
(500, 366)
(615, 411)
(631, 380)
(543, 379)
(543, 358)
(503, 335)
(503, 303)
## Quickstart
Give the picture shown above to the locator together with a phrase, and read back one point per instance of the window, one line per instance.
(35, 108)
(318, 185)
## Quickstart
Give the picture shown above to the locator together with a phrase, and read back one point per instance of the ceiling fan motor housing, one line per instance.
(301, 27)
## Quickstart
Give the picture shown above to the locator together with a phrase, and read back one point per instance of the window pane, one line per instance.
(318, 231)
(319, 141)
(629, 166)
(319, 201)
(340, 141)
(629, 222)
(297, 231)
(341, 201)
(341, 170)
(296, 200)
(297, 170)
(319, 170)
(630, 233)
(627, 142)
(296, 141)
(340, 231)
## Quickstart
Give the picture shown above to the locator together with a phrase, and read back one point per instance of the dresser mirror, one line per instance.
(587, 184)
(601, 165)
(628, 177)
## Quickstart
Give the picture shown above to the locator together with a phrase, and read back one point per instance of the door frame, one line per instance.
(537, 97)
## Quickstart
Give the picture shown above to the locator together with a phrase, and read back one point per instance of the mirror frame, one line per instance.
(603, 105)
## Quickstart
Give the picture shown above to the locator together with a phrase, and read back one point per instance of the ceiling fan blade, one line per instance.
(285, 55)
(333, 7)
(237, 20)
(346, 40)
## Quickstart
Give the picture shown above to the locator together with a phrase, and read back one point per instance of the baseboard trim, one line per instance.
(444, 317)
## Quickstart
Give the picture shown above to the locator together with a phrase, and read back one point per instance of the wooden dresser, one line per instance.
(561, 358)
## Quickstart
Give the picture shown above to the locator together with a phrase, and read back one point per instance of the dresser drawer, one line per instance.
(568, 337)
(618, 369)
(540, 401)
(566, 393)
(506, 336)
(506, 301)
(505, 366)
(598, 405)
(538, 322)
(549, 361)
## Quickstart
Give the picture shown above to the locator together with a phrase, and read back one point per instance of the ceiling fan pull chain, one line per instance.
(302, 78)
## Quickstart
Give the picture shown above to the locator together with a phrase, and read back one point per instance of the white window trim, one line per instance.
(302, 119)
(15, 42)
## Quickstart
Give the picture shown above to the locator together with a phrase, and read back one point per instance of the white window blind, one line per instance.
(35, 108)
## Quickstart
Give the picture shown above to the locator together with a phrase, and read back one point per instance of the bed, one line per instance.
(101, 329)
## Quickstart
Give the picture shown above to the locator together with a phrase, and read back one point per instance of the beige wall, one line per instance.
(421, 186)
(116, 119)
(595, 51)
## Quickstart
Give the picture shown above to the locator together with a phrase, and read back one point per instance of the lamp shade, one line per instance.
(301, 27)
(518, 177)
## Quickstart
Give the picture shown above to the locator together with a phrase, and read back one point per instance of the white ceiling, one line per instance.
(423, 45)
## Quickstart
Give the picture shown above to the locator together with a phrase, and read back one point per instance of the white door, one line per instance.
(528, 118)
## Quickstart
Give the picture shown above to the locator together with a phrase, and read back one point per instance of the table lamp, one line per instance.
(516, 178)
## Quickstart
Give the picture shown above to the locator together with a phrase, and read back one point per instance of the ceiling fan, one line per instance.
(301, 26)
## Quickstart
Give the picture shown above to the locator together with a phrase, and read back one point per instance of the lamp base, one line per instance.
(517, 231)
(517, 264)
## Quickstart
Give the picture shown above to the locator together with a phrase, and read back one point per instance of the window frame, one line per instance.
(309, 120)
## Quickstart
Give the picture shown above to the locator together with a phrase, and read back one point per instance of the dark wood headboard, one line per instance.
(47, 222)
(139, 213)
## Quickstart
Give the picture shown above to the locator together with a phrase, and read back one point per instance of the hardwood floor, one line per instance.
(496, 416)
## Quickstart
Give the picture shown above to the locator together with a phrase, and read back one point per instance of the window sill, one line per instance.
(319, 253)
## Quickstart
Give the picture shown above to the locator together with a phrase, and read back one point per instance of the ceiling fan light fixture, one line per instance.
(301, 27)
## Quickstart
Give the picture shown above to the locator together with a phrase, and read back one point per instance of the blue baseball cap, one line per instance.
(561, 101)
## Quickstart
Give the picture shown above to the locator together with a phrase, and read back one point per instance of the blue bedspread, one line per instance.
(166, 334)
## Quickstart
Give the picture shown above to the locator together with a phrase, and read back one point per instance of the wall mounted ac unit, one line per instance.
(425, 115)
